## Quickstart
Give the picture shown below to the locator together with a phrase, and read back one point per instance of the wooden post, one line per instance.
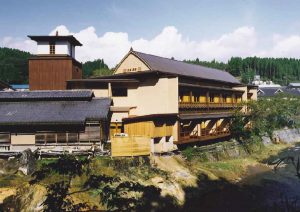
(179, 129)
(109, 90)
(100, 136)
(67, 138)
(207, 99)
(191, 96)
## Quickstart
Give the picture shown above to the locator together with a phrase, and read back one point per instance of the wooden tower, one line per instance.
(54, 62)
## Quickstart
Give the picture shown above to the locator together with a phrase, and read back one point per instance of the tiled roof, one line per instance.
(39, 113)
(62, 95)
(171, 66)
(294, 84)
(269, 92)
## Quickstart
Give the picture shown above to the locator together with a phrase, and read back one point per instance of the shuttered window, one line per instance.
(52, 48)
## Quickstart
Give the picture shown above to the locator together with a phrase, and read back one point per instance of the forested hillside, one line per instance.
(279, 70)
(14, 66)
(95, 68)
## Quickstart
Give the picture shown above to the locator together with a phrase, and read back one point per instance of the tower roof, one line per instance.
(53, 38)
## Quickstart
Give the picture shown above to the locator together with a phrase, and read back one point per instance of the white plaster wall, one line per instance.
(62, 47)
(160, 98)
(131, 62)
(165, 144)
(254, 94)
(101, 92)
(118, 116)
(154, 96)
(43, 48)
(22, 139)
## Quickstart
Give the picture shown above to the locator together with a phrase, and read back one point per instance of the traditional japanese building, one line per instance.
(170, 101)
(54, 62)
(52, 119)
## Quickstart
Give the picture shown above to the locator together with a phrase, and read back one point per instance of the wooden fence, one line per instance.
(130, 146)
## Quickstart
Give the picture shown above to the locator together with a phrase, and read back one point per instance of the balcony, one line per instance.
(198, 105)
(190, 137)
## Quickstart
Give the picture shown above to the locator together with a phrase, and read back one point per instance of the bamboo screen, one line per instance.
(186, 98)
(202, 99)
(130, 146)
(216, 99)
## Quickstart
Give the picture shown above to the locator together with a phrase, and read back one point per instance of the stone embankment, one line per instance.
(233, 149)
(219, 151)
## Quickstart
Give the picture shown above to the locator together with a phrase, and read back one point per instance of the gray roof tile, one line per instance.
(58, 95)
(53, 112)
(162, 64)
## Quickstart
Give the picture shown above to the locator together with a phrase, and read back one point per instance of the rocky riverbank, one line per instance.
(226, 177)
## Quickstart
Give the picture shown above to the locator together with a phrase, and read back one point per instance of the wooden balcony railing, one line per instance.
(189, 105)
(187, 137)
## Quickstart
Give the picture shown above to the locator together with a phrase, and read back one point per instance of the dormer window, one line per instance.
(52, 48)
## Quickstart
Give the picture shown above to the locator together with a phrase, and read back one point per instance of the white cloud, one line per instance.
(112, 46)
(18, 43)
(286, 46)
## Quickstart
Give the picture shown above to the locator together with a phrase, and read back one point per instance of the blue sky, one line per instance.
(196, 22)
(196, 18)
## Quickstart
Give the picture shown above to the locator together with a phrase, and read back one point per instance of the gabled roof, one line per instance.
(270, 92)
(55, 95)
(38, 114)
(166, 65)
(53, 38)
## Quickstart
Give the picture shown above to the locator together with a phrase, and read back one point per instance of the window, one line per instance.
(119, 91)
(52, 48)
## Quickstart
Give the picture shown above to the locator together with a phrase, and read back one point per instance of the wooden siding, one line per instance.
(130, 146)
(52, 73)
(149, 128)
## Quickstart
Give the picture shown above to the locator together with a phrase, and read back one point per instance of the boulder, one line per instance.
(27, 162)
(266, 140)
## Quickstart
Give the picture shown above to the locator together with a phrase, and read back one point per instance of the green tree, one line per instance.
(90, 67)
